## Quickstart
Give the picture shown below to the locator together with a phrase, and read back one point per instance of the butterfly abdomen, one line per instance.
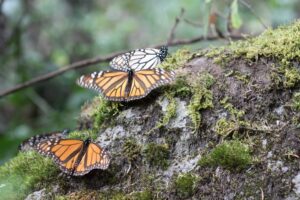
(86, 144)
(129, 83)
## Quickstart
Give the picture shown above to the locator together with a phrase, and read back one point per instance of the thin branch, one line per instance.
(254, 13)
(60, 71)
(92, 61)
(195, 24)
(172, 33)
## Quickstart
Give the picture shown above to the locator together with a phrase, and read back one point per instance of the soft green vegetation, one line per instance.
(235, 121)
(239, 76)
(104, 111)
(25, 172)
(296, 101)
(185, 185)
(83, 134)
(157, 154)
(235, 113)
(180, 88)
(177, 59)
(280, 45)
(291, 75)
(141, 195)
(224, 127)
(202, 97)
(170, 111)
(232, 155)
(131, 149)
(199, 91)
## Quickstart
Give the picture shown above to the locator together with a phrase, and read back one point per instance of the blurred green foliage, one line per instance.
(37, 37)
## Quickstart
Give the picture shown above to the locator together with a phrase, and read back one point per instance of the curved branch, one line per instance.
(88, 62)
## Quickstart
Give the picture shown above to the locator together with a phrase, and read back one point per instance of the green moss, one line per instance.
(83, 134)
(170, 112)
(239, 76)
(25, 172)
(291, 76)
(185, 185)
(142, 195)
(131, 149)
(115, 196)
(103, 111)
(177, 59)
(281, 45)
(232, 155)
(237, 114)
(157, 154)
(202, 98)
(60, 197)
(224, 127)
(296, 101)
(235, 121)
(180, 88)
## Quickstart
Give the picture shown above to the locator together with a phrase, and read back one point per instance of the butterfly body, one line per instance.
(129, 82)
(134, 76)
(126, 85)
(75, 157)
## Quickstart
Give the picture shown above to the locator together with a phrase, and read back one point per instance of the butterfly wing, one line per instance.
(111, 84)
(146, 80)
(140, 59)
(94, 158)
(120, 62)
(34, 140)
(65, 152)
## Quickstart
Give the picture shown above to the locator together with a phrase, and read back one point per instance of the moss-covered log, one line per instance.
(228, 128)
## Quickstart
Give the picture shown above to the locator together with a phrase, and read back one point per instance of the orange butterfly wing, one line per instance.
(111, 84)
(144, 81)
(94, 158)
(69, 155)
(65, 152)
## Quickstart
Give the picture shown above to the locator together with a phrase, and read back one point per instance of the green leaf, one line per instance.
(207, 1)
(236, 20)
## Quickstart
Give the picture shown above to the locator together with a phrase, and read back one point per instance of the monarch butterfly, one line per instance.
(139, 59)
(126, 86)
(30, 143)
(74, 157)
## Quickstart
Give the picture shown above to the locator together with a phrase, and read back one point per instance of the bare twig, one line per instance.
(92, 61)
(254, 13)
(60, 71)
(195, 24)
(172, 33)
